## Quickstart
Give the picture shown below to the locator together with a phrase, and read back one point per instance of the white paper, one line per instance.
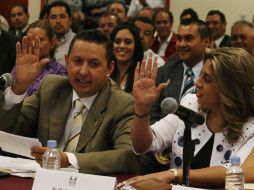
(17, 144)
(70, 180)
(180, 187)
(249, 186)
(19, 166)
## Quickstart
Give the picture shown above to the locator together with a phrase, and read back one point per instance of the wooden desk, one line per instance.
(18, 183)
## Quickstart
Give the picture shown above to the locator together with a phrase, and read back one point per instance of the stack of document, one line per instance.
(19, 166)
(21, 146)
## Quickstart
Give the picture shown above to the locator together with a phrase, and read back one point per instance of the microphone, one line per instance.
(169, 105)
(6, 80)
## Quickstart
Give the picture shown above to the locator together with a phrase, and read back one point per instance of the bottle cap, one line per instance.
(52, 143)
(235, 160)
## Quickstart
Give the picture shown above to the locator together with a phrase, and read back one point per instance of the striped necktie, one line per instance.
(188, 83)
(76, 125)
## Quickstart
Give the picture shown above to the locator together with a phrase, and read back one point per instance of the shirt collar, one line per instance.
(23, 30)
(66, 36)
(218, 41)
(196, 69)
(168, 39)
(87, 101)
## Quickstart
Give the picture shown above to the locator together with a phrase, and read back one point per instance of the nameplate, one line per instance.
(61, 180)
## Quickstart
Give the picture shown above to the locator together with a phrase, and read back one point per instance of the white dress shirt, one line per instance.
(169, 130)
(135, 6)
(62, 48)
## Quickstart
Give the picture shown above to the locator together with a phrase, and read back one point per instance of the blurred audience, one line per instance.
(188, 14)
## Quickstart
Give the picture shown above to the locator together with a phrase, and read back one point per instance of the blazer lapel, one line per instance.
(59, 110)
(94, 117)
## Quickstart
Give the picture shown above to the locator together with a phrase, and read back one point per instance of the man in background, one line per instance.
(165, 41)
(217, 23)
(59, 16)
(242, 35)
(18, 20)
(107, 22)
(146, 31)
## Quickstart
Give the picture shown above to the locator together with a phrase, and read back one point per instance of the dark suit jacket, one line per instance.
(104, 145)
(171, 49)
(7, 52)
(172, 71)
(226, 42)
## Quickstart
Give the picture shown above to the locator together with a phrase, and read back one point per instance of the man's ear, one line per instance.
(207, 41)
(111, 67)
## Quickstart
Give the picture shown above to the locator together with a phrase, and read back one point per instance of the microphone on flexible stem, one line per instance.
(170, 105)
(189, 117)
(6, 80)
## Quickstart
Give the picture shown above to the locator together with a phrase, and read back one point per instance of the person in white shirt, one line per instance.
(59, 17)
(137, 5)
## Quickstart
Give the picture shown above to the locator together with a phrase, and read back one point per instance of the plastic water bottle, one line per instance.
(234, 175)
(51, 158)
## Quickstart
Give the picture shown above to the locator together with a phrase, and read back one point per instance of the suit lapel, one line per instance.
(176, 77)
(94, 117)
(59, 110)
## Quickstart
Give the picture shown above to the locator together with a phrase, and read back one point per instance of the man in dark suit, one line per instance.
(8, 52)
(18, 20)
(217, 23)
(103, 143)
(165, 42)
(193, 37)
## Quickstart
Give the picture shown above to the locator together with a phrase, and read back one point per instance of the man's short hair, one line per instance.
(243, 22)
(107, 14)
(144, 20)
(191, 12)
(95, 36)
(203, 29)
(22, 6)
(219, 13)
(59, 4)
(118, 2)
(170, 15)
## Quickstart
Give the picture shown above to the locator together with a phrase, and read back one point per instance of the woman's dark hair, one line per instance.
(138, 53)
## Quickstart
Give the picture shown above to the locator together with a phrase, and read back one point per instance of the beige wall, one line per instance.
(34, 7)
(233, 9)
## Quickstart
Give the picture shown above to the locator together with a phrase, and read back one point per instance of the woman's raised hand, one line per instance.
(145, 91)
(28, 63)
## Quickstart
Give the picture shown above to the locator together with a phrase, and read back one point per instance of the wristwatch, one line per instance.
(175, 173)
